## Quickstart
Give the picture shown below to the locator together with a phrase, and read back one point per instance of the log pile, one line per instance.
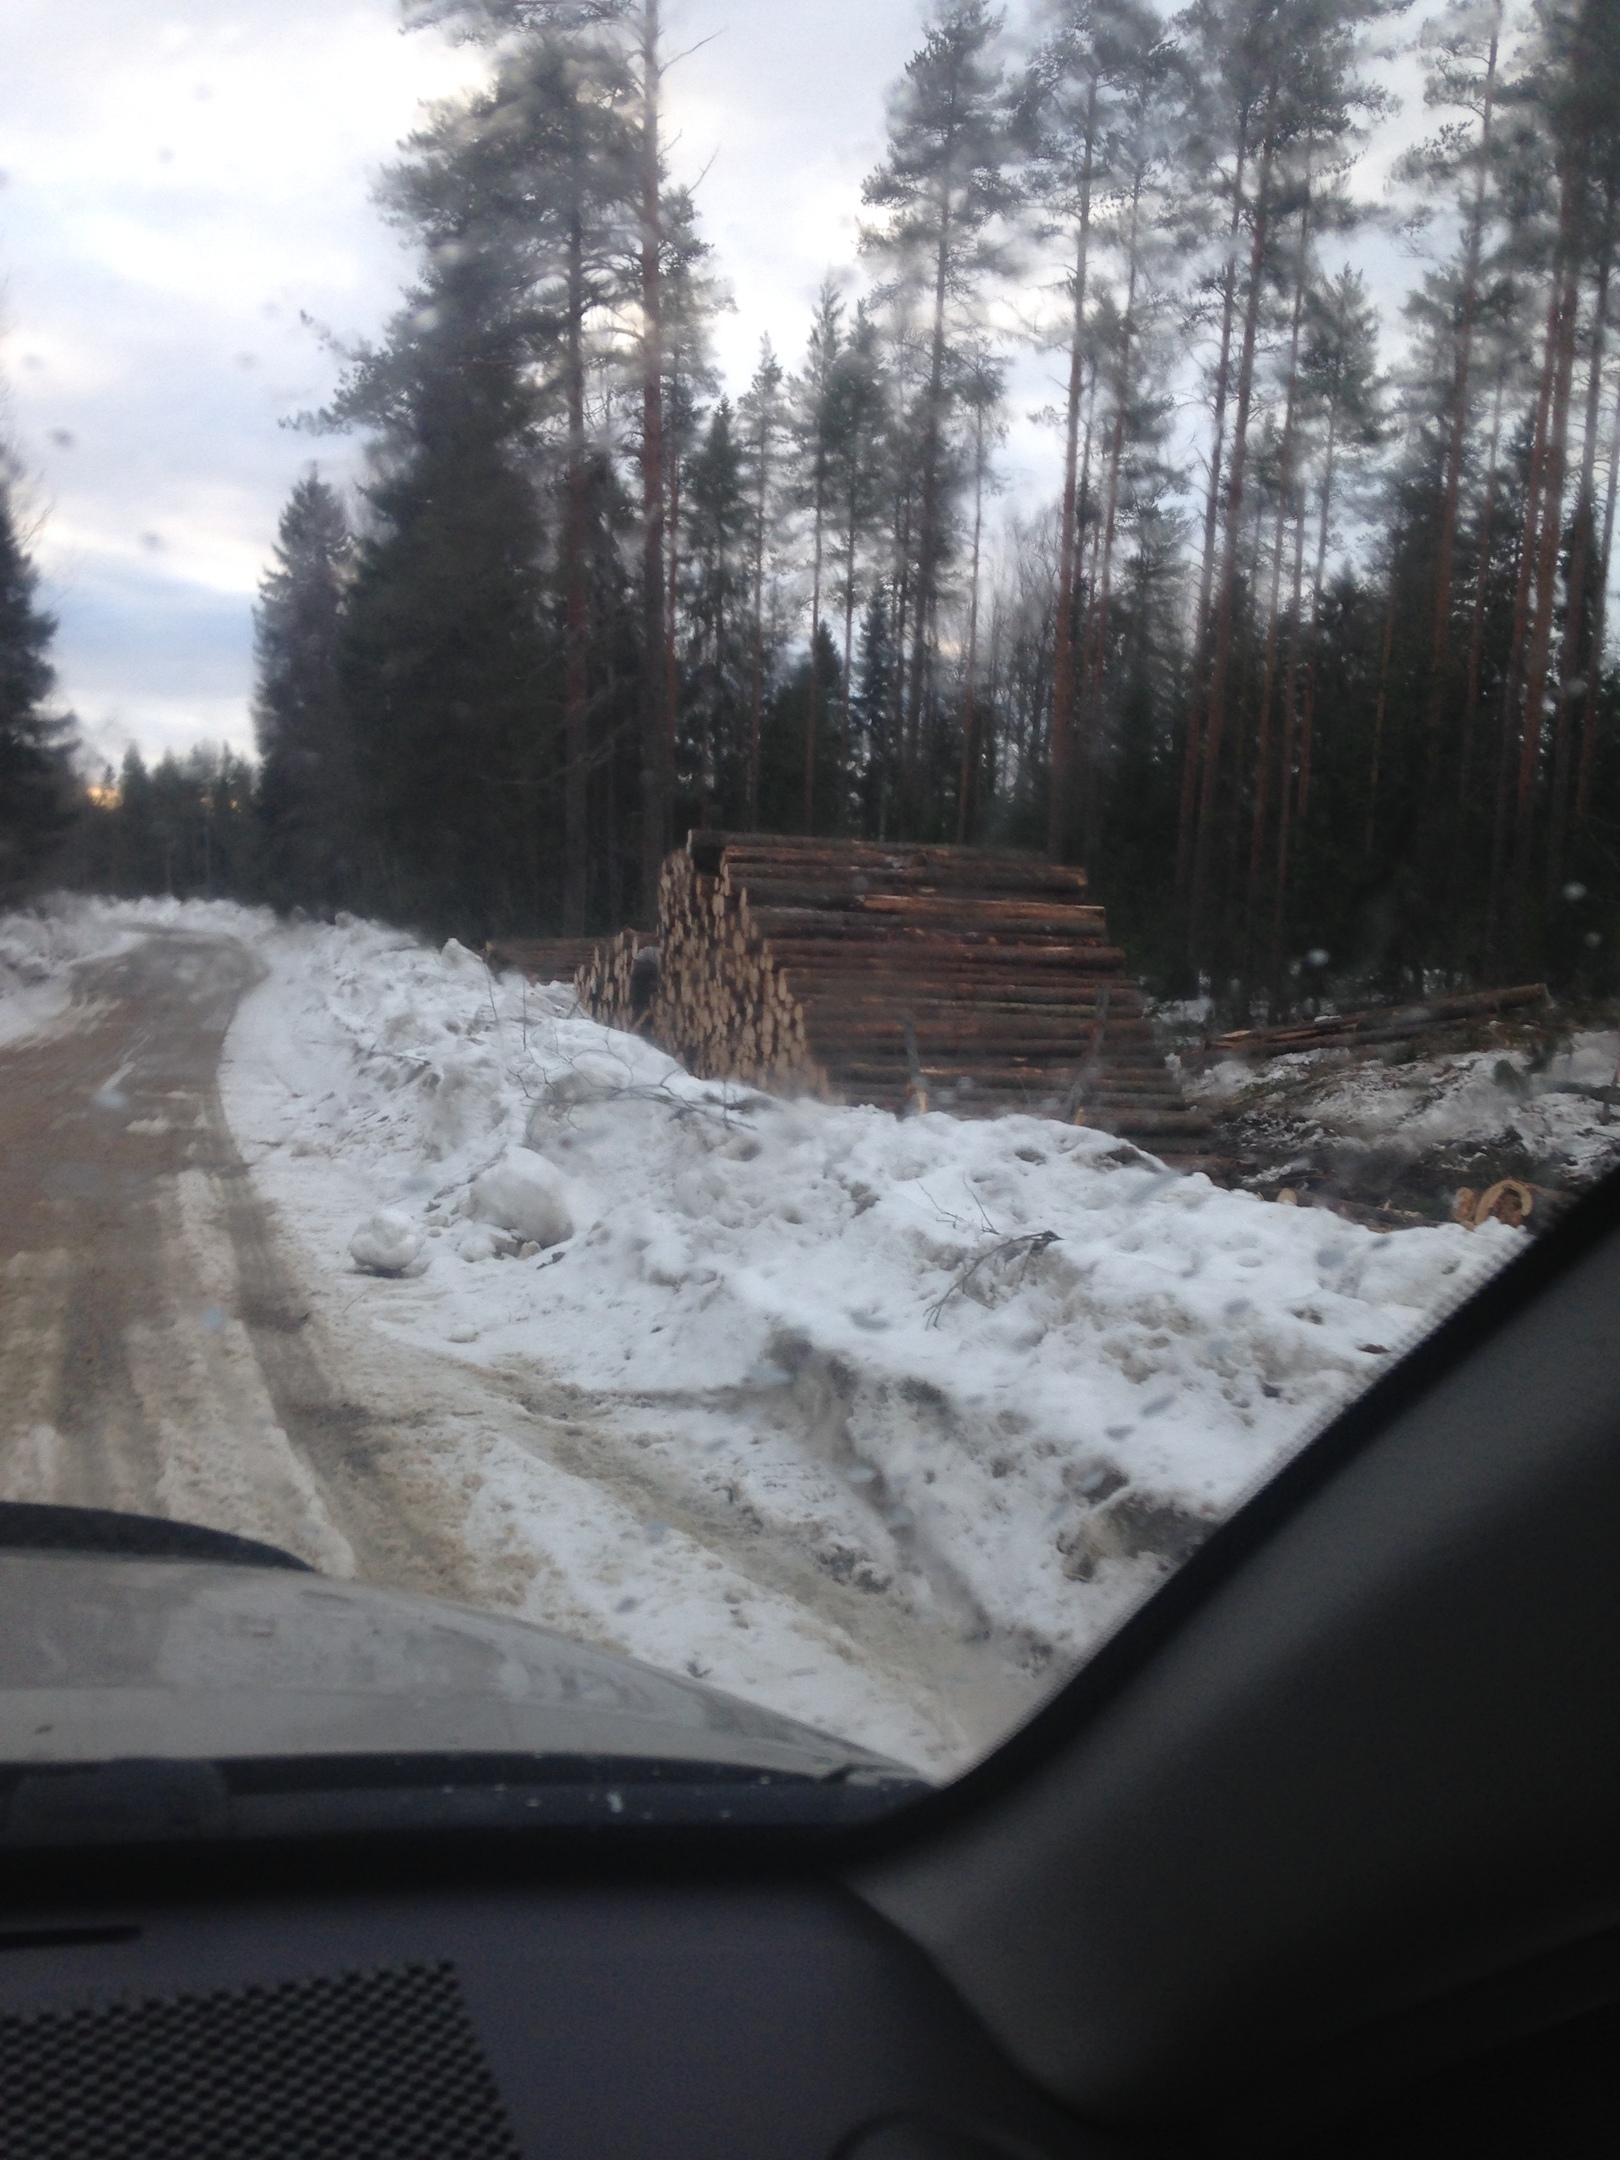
(971, 980)
(615, 984)
(1379, 1025)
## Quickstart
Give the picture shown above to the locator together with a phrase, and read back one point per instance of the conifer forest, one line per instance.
(1302, 647)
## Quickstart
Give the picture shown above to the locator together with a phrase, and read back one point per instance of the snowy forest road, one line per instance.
(151, 1344)
(166, 1347)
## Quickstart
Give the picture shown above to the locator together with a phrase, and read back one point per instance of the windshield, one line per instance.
(801, 813)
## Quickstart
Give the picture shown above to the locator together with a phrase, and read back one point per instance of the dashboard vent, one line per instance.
(359, 2066)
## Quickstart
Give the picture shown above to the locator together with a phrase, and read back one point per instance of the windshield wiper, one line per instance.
(27, 1526)
(139, 1802)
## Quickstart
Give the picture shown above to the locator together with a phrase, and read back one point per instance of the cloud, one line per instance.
(181, 189)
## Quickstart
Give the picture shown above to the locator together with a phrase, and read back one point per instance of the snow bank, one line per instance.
(1006, 1371)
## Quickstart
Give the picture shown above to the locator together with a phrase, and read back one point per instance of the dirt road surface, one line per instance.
(163, 1348)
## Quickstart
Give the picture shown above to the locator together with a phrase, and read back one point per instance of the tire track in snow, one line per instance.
(937, 1652)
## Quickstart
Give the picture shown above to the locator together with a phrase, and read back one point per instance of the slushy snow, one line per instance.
(1001, 1375)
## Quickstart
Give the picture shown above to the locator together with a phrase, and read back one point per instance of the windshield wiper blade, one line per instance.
(139, 1802)
(30, 1526)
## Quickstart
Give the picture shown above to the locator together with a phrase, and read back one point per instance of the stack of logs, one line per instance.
(971, 980)
(611, 986)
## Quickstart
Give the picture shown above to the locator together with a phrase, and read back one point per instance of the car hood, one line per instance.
(106, 1658)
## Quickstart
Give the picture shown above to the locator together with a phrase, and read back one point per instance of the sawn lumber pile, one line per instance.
(964, 979)
(1378, 1025)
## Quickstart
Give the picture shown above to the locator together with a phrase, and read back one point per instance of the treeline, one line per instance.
(191, 827)
(1307, 660)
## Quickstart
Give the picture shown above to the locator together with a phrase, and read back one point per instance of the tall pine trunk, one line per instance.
(576, 622)
(1307, 724)
(973, 628)
(1206, 837)
(1286, 791)
(1528, 538)
(1461, 882)
(1285, 488)
(922, 623)
(1579, 568)
(657, 716)
(1445, 554)
(1192, 752)
(672, 586)
(756, 681)
(812, 690)
(1549, 544)
(1591, 703)
(1090, 745)
(1060, 794)
(851, 528)
(1482, 574)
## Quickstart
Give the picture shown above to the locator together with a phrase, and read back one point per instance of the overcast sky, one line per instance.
(185, 180)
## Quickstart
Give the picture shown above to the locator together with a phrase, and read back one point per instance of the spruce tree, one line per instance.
(714, 766)
(307, 802)
(33, 758)
(450, 664)
(858, 445)
(765, 420)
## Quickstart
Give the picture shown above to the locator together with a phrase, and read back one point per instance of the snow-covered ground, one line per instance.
(1540, 1105)
(997, 1377)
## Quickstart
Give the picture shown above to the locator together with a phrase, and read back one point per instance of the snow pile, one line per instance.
(386, 1243)
(1005, 1372)
(522, 1193)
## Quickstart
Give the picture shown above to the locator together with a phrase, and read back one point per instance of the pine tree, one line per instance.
(33, 753)
(945, 189)
(1290, 94)
(635, 30)
(307, 799)
(1068, 109)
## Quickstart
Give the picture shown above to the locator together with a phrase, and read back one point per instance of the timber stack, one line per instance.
(615, 984)
(972, 980)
